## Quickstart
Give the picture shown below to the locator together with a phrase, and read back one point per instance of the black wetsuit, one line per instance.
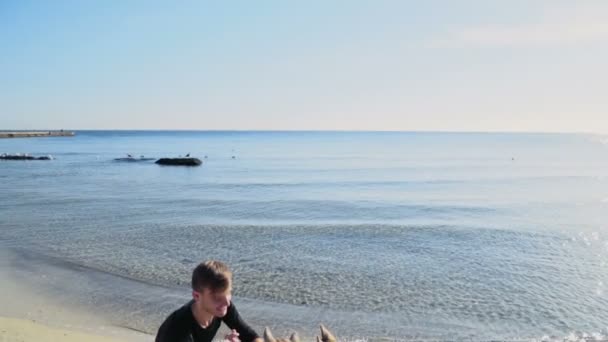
(181, 326)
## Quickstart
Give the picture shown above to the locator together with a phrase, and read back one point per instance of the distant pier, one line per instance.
(36, 134)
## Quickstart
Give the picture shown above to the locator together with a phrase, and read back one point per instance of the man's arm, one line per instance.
(234, 321)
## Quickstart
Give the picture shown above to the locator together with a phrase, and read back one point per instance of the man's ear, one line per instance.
(196, 296)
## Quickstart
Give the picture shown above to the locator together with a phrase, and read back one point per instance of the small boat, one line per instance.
(179, 161)
(132, 159)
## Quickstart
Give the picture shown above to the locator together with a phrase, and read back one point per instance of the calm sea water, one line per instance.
(378, 235)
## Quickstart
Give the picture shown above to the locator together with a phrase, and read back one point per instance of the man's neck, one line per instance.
(202, 317)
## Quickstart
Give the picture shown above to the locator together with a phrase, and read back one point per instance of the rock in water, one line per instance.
(179, 161)
(23, 157)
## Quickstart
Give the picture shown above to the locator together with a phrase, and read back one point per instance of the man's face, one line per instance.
(214, 302)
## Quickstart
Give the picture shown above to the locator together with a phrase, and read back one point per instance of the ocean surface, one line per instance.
(439, 236)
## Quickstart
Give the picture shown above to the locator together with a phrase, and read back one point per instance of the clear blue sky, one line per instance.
(511, 65)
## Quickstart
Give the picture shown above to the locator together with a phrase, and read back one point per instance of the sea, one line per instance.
(378, 235)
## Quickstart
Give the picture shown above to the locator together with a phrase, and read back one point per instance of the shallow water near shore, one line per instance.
(378, 235)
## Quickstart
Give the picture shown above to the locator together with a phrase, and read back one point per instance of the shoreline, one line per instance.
(36, 134)
(60, 294)
(24, 330)
(29, 313)
(43, 297)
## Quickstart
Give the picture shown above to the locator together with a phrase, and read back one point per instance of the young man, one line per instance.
(199, 319)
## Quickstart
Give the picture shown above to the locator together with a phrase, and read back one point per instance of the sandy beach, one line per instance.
(28, 313)
(14, 330)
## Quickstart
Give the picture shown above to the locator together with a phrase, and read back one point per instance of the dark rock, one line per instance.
(179, 161)
(23, 157)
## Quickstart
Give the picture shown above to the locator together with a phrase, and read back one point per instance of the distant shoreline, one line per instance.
(36, 134)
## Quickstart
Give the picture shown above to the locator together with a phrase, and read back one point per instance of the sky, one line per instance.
(467, 65)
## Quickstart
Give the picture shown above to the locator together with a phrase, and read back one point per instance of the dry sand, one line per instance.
(14, 330)
(27, 314)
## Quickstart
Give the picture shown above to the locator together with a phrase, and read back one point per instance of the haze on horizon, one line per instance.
(471, 65)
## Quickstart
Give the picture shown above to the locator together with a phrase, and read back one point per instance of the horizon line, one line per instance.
(309, 131)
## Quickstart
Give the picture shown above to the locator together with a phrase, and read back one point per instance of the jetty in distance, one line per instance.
(36, 134)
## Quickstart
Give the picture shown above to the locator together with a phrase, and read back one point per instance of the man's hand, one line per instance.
(233, 336)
